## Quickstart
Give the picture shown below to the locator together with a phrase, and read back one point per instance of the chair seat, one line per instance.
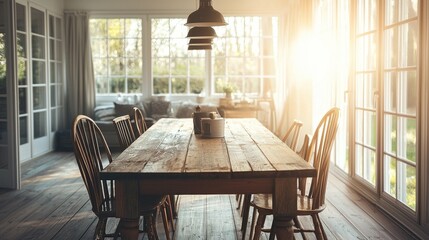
(304, 204)
(150, 202)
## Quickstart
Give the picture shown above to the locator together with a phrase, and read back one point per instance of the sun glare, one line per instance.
(312, 56)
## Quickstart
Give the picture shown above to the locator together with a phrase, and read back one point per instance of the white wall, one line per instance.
(160, 6)
(55, 6)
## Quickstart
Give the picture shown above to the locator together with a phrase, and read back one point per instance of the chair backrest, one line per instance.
(302, 182)
(139, 121)
(125, 131)
(292, 134)
(319, 153)
(91, 152)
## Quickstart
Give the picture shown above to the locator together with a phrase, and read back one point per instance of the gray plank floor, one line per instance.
(53, 204)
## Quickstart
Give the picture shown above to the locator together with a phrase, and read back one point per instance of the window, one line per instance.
(386, 85)
(243, 55)
(175, 70)
(117, 54)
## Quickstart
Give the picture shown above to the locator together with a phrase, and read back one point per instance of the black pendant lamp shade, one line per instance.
(205, 16)
(200, 47)
(201, 32)
(200, 42)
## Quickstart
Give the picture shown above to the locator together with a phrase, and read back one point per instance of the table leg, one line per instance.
(127, 208)
(284, 207)
(129, 229)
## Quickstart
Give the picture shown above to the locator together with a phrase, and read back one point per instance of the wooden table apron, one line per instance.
(170, 159)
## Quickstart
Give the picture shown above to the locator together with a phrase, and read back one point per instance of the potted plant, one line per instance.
(228, 89)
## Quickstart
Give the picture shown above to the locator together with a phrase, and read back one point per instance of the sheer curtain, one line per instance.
(80, 94)
(295, 89)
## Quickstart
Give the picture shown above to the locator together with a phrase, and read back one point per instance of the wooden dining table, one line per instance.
(170, 159)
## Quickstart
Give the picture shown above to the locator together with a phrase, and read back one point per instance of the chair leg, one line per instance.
(100, 229)
(299, 227)
(170, 213)
(317, 229)
(151, 228)
(245, 213)
(321, 227)
(259, 225)
(165, 221)
(252, 226)
(173, 205)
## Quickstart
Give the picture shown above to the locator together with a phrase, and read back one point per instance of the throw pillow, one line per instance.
(124, 109)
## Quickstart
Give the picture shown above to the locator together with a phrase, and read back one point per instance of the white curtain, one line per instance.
(295, 89)
(80, 94)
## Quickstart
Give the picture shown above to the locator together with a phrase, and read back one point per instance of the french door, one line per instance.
(385, 102)
(40, 78)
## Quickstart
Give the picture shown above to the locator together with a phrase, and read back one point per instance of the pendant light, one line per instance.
(200, 47)
(201, 32)
(205, 16)
(200, 41)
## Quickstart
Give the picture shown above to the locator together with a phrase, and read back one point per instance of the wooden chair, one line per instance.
(125, 131)
(290, 138)
(126, 138)
(139, 121)
(92, 154)
(292, 134)
(309, 203)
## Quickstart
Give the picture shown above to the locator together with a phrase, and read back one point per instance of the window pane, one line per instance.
(116, 48)
(37, 21)
(102, 84)
(100, 66)
(134, 66)
(23, 130)
(3, 133)
(407, 138)
(178, 85)
(115, 28)
(160, 85)
(197, 67)
(39, 98)
(161, 66)
(391, 48)
(407, 184)
(116, 66)
(21, 45)
(99, 47)
(390, 134)
(390, 175)
(179, 66)
(117, 85)
(370, 129)
(38, 47)
(391, 14)
(98, 28)
(408, 9)
(408, 92)
(197, 85)
(390, 91)
(134, 85)
(39, 72)
(409, 42)
(133, 47)
(22, 100)
(39, 120)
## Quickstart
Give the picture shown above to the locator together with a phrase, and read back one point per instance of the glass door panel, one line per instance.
(22, 49)
(400, 101)
(39, 84)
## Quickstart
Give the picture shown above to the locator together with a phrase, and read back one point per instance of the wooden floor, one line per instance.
(53, 204)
